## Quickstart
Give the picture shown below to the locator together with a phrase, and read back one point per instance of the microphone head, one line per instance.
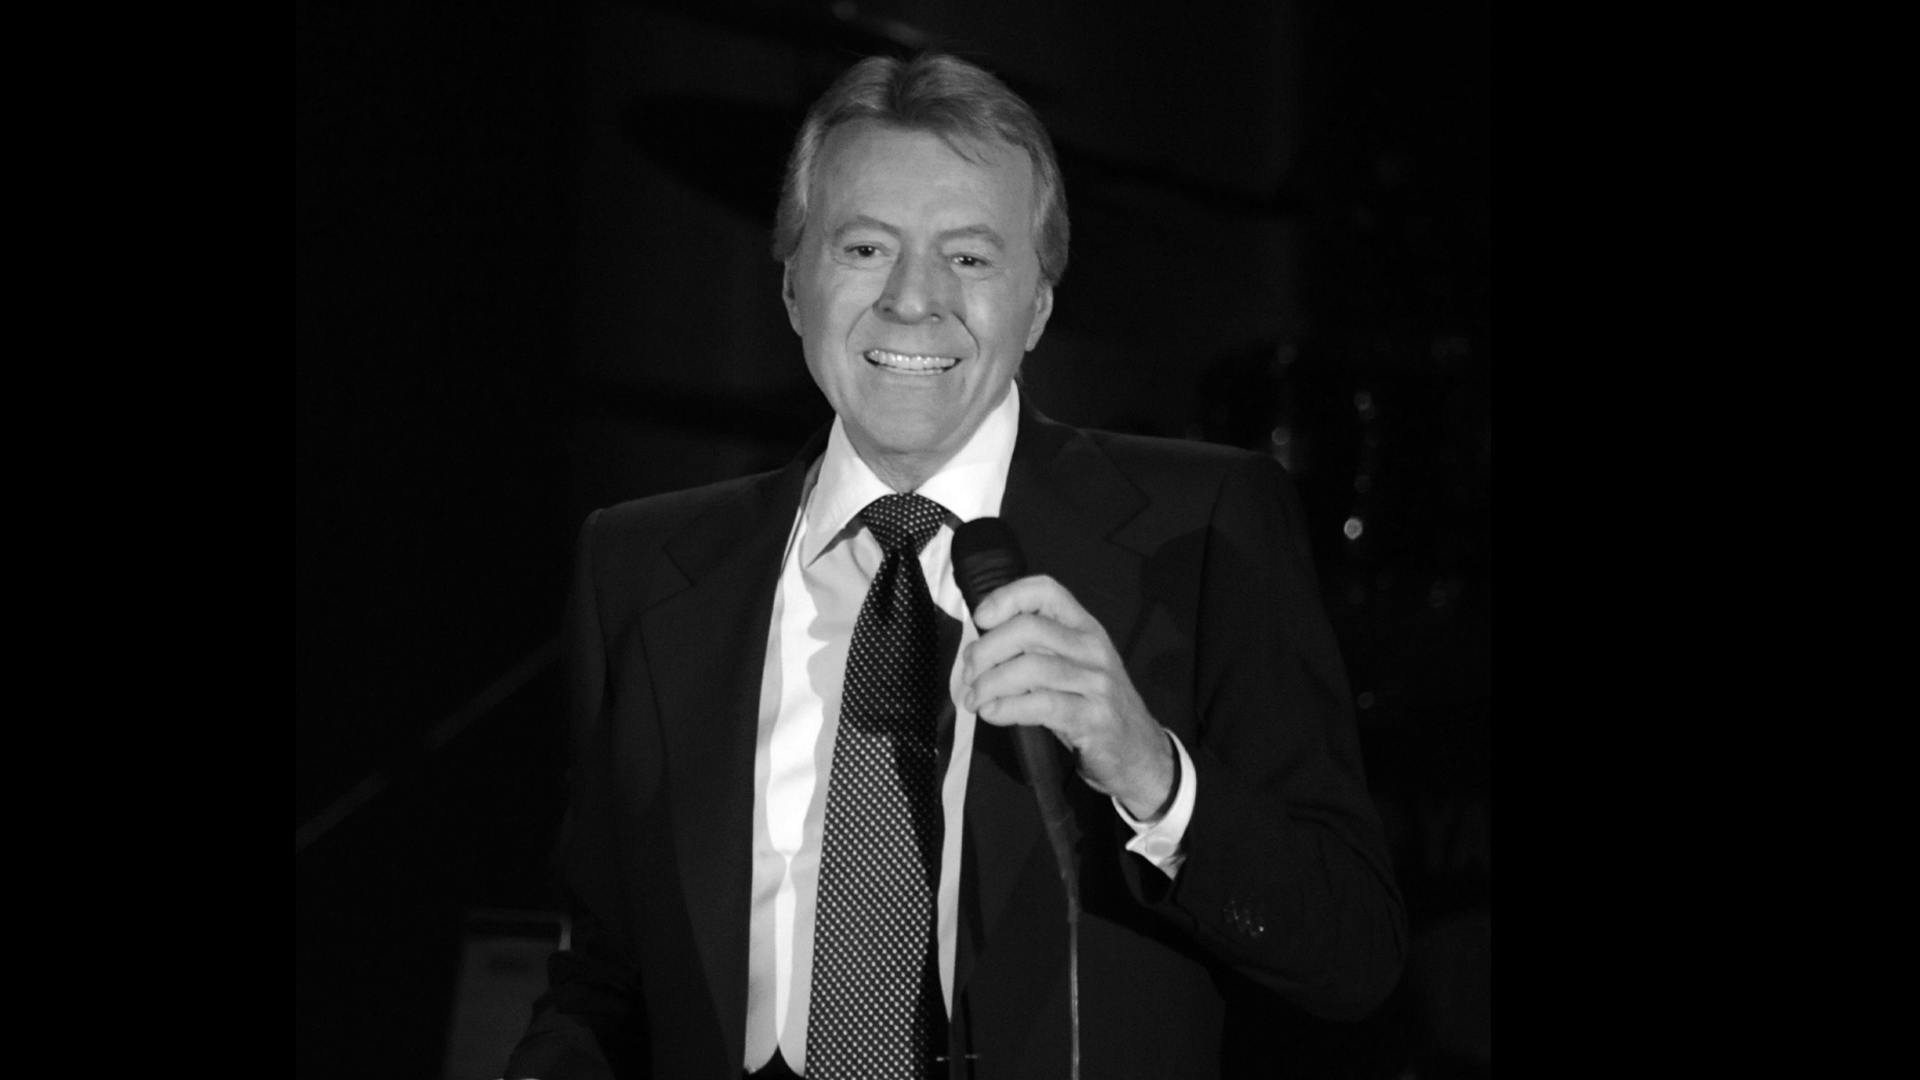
(985, 556)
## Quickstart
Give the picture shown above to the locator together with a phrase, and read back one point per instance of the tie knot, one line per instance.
(898, 521)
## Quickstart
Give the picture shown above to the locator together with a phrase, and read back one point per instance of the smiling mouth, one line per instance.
(910, 363)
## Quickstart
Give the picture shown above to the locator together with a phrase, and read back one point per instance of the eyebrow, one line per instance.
(982, 232)
(862, 221)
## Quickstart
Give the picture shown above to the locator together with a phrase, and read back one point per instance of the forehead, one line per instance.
(921, 177)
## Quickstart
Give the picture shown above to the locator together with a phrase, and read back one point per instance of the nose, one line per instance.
(919, 287)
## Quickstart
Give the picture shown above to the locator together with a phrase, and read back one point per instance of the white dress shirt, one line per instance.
(830, 558)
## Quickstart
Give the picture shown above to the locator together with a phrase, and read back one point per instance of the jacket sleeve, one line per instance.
(1287, 877)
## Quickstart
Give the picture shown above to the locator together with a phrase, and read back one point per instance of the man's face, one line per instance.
(916, 290)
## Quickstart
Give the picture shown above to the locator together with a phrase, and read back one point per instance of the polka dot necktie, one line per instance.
(875, 1011)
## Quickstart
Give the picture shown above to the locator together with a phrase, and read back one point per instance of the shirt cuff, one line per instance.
(1163, 843)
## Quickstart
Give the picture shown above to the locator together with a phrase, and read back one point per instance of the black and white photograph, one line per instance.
(868, 539)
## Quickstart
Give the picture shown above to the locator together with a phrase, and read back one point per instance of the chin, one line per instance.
(910, 438)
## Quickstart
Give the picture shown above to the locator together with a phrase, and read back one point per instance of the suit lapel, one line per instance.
(707, 645)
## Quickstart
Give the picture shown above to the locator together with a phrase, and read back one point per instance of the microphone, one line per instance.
(986, 556)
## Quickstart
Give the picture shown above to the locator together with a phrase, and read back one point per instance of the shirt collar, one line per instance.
(969, 485)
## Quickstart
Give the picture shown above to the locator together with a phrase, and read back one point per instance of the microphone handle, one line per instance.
(1040, 761)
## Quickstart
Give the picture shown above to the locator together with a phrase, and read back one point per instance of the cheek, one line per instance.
(997, 317)
(834, 306)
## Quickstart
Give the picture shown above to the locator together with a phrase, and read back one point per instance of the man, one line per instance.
(1225, 856)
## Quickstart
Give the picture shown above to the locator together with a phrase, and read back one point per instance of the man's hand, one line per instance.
(1042, 659)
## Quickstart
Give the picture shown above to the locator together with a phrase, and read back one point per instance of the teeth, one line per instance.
(894, 361)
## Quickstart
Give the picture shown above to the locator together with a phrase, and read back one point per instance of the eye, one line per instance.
(863, 251)
(969, 261)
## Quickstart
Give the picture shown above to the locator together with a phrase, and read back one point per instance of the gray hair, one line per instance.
(936, 93)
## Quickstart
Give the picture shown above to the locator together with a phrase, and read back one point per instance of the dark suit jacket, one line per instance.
(1194, 558)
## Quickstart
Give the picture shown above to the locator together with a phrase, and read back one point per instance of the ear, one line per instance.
(787, 297)
(1042, 309)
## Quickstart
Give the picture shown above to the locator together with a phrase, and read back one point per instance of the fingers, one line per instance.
(1036, 594)
(1026, 634)
(1034, 614)
(1050, 709)
(995, 693)
(1042, 659)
